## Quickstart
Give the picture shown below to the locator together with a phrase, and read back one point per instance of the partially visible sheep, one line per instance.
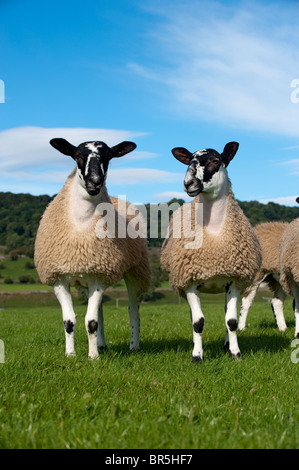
(72, 246)
(289, 265)
(229, 256)
(269, 235)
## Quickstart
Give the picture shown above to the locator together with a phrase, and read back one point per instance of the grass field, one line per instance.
(153, 399)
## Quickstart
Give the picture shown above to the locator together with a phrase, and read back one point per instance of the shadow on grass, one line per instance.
(249, 344)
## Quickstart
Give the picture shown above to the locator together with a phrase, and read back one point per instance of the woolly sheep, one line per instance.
(269, 235)
(229, 256)
(72, 247)
(289, 265)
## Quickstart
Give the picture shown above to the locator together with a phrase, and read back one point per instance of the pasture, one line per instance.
(152, 399)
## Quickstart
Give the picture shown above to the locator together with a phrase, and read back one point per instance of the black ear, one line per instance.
(229, 152)
(63, 146)
(182, 154)
(297, 200)
(122, 149)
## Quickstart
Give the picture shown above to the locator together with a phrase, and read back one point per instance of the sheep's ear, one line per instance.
(229, 152)
(63, 146)
(297, 200)
(182, 154)
(122, 149)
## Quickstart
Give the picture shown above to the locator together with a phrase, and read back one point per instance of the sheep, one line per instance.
(269, 235)
(72, 245)
(230, 254)
(289, 265)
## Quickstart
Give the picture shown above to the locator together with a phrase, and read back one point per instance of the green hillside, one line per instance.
(20, 215)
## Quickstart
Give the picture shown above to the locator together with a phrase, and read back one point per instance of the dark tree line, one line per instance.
(20, 215)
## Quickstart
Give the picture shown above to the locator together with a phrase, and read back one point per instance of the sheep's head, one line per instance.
(92, 160)
(206, 168)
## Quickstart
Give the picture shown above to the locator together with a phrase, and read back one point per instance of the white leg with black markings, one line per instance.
(63, 294)
(95, 295)
(198, 321)
(231, 322)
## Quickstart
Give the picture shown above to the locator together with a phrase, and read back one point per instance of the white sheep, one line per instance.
(269, 235)
(289, 265)
(229, 256)
(73, 245)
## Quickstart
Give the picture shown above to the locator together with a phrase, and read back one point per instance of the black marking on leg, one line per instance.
(92, 326)
(232, 324)
(273, 310)
(234, 356)
(228, 286)
(294, 305)
(297, 335)
(68, 326)
(197, 359)
(198, 326)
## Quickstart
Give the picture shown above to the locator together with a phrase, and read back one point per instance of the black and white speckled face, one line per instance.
(206, 168)
(92, 160)
(205, 171)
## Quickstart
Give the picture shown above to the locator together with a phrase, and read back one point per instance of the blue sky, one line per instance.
(162, 73)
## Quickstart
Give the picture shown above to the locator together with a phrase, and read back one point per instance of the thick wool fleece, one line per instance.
(269, 235)
(289, 256)
(234, 253)
(63, 249)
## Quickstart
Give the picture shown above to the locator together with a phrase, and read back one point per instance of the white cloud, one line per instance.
(166, 196)
(284, 200)
(231, 64)
(292, 164)
(137, 176)
(28, 147)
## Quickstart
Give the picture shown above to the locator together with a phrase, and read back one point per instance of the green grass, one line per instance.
(156, 398)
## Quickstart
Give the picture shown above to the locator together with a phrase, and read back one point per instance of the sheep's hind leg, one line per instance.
(63, 294)
(95, 295)
(277, 306)
(231, 313)
(295, 292)
(198, 321)
(101, 334)
(133, 312)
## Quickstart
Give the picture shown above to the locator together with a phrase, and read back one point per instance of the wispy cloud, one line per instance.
(28, 147)
(231, 64)
(138, 176)
(284, 200)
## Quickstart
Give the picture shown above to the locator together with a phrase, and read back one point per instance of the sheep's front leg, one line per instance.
(133, 312)
(95, 295)
(231, 322)
(198, 321)
(63, 294)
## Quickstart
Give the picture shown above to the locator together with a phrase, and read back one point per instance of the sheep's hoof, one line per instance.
(102, 348)
(73, 354)
(226, 347)
(235, 356)
(94, 357)
(197, 359)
